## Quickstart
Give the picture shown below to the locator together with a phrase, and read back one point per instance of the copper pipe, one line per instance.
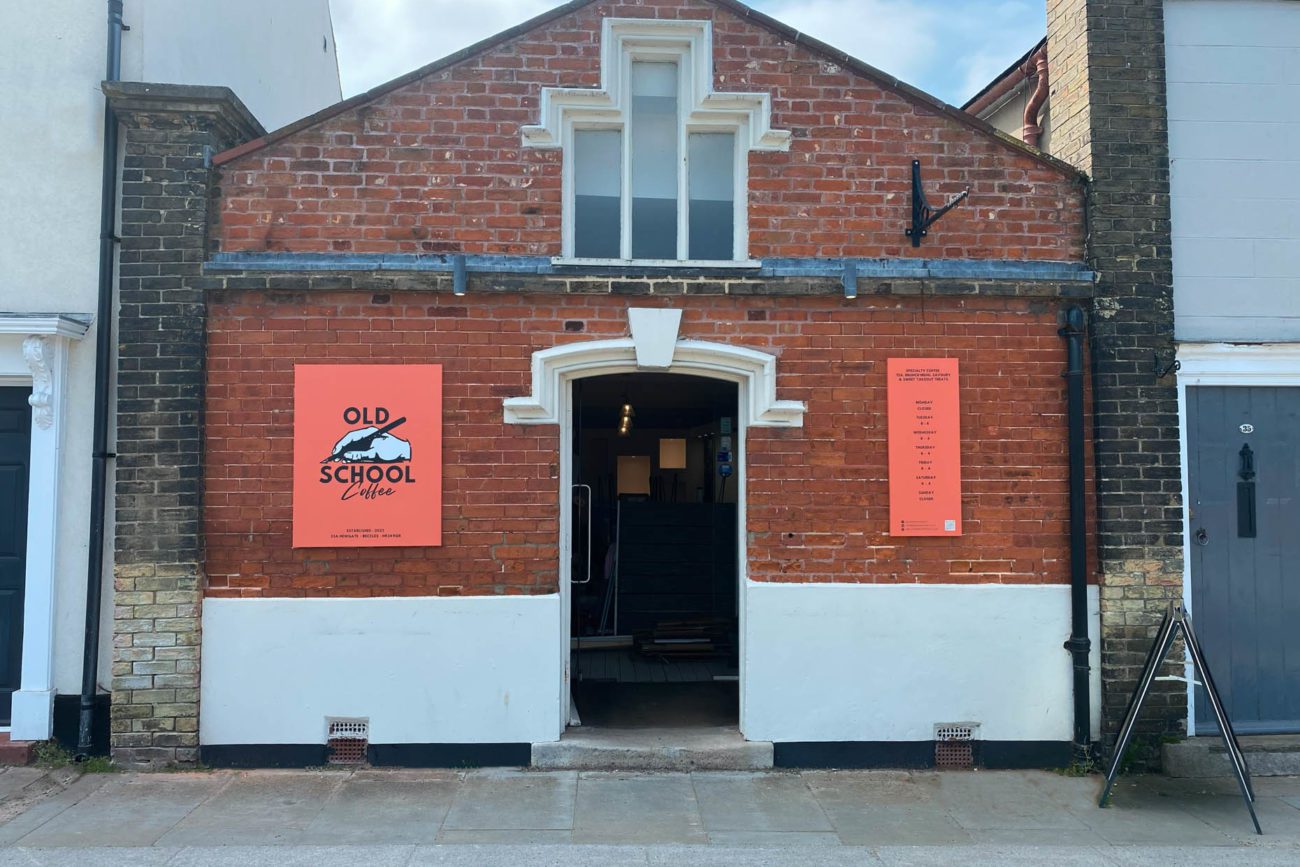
(1031, 132)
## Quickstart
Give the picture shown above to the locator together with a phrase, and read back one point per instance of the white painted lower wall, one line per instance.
(423, 670)
(824, 662)
(885, 662)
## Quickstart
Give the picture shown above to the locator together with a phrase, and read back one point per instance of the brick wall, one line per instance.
(437, 165)
(817, 496)
(1117, 121)
(170, 132)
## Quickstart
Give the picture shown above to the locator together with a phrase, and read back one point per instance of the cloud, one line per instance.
(950, 48)
(897, 36)
(378, 40)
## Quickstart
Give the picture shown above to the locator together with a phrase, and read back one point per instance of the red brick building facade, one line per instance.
(432, 221)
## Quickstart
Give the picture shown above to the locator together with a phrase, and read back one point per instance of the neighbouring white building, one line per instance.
(1232, 88)
(280, 59)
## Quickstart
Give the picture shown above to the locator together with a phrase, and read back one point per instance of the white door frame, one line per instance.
(653, 346)
(566, 528)
(33, 354)
(1221, 364)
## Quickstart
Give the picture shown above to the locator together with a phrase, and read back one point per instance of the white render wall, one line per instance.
(823, 662)
(886, 662)
(472, 669)
(51, 139)
(278, 57)
(1233, 75)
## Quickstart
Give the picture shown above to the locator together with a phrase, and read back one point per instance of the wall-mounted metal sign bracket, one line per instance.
(1176, 620)
(924, 216)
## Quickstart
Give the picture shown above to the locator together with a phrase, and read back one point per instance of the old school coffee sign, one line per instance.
(367, 455)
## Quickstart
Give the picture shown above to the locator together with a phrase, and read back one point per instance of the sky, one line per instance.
(950, 48)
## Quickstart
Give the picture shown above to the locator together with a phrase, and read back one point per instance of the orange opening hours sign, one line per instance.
(367, 455)
(924, 447)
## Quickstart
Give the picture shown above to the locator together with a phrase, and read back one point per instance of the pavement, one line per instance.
(575, 818)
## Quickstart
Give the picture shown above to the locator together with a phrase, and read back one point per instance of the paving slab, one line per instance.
(637, 808)
(1057, 856)
(758, 802)
(774, 839)
(1036, 837)
(292, 856)
(887, 825)
(1147, 818)
(1227, 813)
(364, 810)
(884, 808)
(985, 801)
(529, 856)
(126, 811)
(514, 800)
(45, 810)
(872, 787)
(518, 837)
(14, 780)
(750, 856)
(256, 808)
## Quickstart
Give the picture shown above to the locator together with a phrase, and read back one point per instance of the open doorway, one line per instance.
(654, 637)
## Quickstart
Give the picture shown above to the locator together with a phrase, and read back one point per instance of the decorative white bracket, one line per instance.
(553, 368)
(618, 36)
(39, 355)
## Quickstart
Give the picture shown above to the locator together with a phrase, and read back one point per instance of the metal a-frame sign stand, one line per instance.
(1176, 620)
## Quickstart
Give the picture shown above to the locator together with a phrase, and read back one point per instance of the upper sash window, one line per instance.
(654, 160)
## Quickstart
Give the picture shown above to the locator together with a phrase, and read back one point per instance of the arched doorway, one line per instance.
(653, 347)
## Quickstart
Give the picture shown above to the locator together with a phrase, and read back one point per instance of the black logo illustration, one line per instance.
(371, 445)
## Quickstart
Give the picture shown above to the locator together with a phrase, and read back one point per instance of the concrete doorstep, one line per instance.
(1266, 756)
(649, 749)
(526, 817)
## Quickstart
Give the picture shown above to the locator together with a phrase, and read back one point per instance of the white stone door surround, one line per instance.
(654, 345)
(33, 354)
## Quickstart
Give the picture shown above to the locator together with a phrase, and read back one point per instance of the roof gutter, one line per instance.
(103, 369)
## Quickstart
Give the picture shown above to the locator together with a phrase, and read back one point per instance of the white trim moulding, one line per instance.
(553, 368)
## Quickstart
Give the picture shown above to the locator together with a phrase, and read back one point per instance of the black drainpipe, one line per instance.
(1079, 645)
(103, 368)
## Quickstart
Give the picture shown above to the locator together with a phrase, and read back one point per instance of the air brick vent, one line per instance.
(954, 745)
(347, 740)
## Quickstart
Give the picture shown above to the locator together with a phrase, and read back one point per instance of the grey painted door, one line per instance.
(15, 457)
(1246, 589)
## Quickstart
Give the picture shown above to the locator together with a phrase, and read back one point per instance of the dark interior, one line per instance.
(654, 616)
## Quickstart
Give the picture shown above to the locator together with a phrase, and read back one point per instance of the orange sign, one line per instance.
(367, 455)
(924, 447)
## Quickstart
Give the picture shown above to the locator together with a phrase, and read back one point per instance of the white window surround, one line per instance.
(690, 44)
(1228, 364)
(33, 354)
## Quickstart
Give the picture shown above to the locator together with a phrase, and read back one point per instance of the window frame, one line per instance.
(690, 119)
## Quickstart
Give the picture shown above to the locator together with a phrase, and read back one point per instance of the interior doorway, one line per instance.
(654, 604)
